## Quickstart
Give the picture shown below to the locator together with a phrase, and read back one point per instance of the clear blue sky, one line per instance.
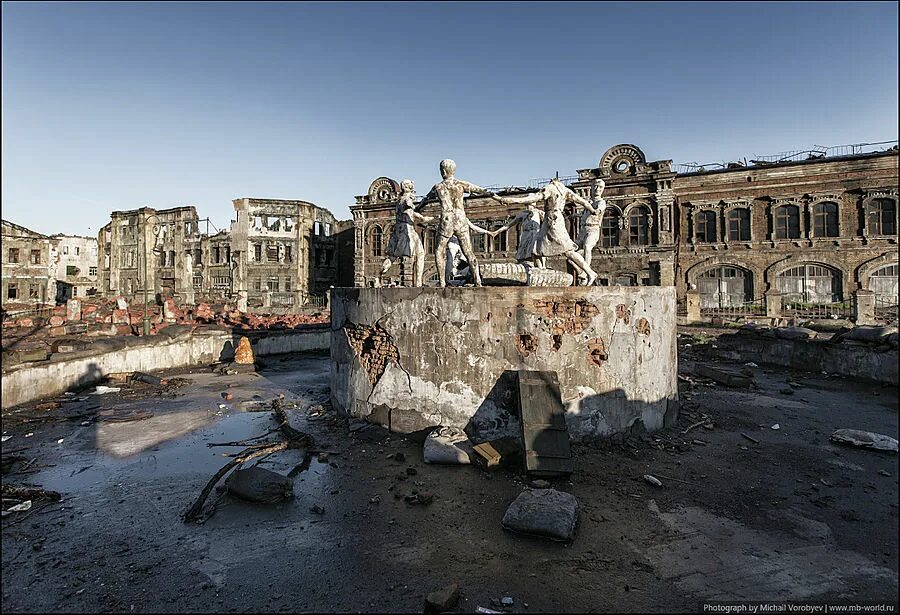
(115, 106)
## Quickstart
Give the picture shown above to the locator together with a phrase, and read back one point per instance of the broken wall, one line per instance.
(410, 358)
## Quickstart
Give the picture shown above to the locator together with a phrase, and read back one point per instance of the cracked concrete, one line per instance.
(414, 358)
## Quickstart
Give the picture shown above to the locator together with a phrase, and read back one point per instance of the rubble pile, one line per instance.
(116, 317)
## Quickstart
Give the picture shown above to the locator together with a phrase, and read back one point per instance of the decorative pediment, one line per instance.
(383, 190)
(622, 159)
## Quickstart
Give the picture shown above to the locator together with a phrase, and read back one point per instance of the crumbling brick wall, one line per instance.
(374, 347)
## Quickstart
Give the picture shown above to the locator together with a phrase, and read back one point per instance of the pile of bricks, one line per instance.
(111, 317)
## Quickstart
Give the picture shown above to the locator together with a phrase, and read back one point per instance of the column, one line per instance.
(864, 307)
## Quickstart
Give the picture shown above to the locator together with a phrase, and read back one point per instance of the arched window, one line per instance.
(882, 218)
(810, 283)
(825, 219)
(377, 241)
(739, 224)
(706, 227)
(609, 228)
(884, 282)
(639, 227)
(725, 286)
(787, 222)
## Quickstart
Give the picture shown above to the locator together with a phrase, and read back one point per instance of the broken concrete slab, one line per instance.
(865, 439)
(727, 377)
(547, 513)
(795, 333)
(447, 445)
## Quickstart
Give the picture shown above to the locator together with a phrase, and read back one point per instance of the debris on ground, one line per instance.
(447, 445)
(482, 609)
(123, 416)
(103, 390)
(502, 452)
(506, 601)
(795, 333)
(147, 378)
(317, 510)
(442, 600)
(292, 439)
(652, 480)
(417, 498)
(865, 439)
(256, 484)
(545, 433)
(547, 513)
(725, 376)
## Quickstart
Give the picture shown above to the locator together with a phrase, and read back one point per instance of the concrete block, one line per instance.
(410, 358)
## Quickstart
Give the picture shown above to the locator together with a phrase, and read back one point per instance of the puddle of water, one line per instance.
(172, 443)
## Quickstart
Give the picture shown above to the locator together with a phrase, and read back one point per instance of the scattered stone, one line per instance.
(884, 473)
(786, 391)
(865, 439)
(317, 510)
(399, 457)
(442, 600)
(256, 484)
(776, 426)
(411, 471)
(447, 445)
(540, 484)
(543, 512)
(322, 458)
(506, 601)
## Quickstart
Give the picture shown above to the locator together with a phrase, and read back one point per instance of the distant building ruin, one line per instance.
(277, 254)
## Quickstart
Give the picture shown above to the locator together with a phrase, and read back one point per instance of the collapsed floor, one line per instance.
(745, 511)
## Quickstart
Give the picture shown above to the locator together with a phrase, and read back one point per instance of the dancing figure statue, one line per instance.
(553, 238)
(450, 193)
(405, 241)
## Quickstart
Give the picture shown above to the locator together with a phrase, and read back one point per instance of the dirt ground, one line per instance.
(788, 517)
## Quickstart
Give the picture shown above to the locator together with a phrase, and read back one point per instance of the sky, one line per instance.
(114, 106)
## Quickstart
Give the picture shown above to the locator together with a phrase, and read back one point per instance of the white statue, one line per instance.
(450, 194)
(405, 241)
(530, 220)
(553, 238)
(591, 223)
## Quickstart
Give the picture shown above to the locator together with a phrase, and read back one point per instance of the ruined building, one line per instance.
(812, 226)
(76, 267)
(277, 254)
(29, 268)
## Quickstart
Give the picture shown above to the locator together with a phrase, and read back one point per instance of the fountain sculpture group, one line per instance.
(543, 230)
(411, 358)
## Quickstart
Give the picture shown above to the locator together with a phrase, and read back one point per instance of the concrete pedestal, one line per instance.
(412, 358)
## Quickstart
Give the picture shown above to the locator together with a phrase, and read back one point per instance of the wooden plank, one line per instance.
(545, 435)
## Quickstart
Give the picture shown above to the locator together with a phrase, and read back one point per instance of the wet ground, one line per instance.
(789, 517)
